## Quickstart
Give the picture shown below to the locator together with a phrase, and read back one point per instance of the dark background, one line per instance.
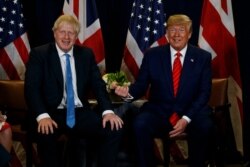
(114, 16)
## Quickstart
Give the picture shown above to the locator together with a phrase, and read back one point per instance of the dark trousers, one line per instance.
(4, 157)
(88, 127)
(149, 125)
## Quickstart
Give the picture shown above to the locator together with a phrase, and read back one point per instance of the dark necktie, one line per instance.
(70, 94)
(176, 78)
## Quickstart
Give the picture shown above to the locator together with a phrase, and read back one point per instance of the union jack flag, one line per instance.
(90, 34)
(146, 29)
(217, 22)
(14, 45)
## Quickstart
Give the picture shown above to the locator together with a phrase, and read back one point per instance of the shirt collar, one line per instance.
(61, 53)
(173, 51)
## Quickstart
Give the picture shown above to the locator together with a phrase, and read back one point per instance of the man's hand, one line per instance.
(178, 128)
(122, 91)
(46, 126)
(115, 121)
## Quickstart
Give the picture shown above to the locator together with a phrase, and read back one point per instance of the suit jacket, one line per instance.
(194, 87)
(44, 79)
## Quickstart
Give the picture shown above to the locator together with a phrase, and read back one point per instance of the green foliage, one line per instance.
(118, 77)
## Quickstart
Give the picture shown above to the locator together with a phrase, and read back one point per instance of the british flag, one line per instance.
(217, 35)
(146, 29)
(90, 34)
(14, 45)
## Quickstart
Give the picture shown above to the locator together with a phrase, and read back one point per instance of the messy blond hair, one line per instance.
(67, 19)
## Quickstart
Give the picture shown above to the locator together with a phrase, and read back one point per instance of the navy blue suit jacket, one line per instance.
(194, 88)
(44, 79)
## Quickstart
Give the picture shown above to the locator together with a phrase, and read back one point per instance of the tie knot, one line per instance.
(178, 54)
(66, 55)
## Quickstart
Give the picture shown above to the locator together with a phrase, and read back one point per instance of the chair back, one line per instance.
(219, 93)
(12, 100)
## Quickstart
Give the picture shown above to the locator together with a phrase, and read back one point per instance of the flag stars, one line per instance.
(147, 29)
(10, 32)
(141, 6)
(149, 19)
(149, 9)
(156, 21)
(154, 31)
(20, 25)
(138, 27)
(159, 1)
(2, 19)
(12, 22)
(1, 29)
(146, 39)
(4, 9)
(13, 12)
(140, 16)
(15, 1)
(158, 11)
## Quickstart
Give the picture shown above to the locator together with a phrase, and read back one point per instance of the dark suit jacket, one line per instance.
(44, 79)
(194, 88)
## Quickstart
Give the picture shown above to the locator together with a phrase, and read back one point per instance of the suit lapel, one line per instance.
(167, 68)
(187, 69)
(56, 66)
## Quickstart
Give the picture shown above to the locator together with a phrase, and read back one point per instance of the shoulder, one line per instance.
(43, 51)
(82, 50)
(199, 50)
(44, 48)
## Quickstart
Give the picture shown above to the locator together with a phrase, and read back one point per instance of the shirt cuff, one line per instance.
(186, 118)
(41, 116)
(128, 98)
(107, 112)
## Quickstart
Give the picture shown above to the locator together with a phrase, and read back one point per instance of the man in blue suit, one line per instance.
(46, 96)
(168, 113)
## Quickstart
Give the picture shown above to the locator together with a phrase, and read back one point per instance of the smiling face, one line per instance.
(178, 36)
(65, 36)
(179, 31)
(66, 29)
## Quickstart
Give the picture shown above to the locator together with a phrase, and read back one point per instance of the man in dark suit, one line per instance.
(46, 93)
(172, 110)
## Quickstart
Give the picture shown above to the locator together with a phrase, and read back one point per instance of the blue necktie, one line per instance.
(70, 94)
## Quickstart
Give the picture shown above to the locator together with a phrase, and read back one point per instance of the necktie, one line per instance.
(70, 94)
(176, 78)
(176, 72)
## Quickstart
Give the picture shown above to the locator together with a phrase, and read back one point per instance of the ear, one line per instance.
(190, 34)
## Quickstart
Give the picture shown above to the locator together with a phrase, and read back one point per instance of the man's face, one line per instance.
(178, 36)
(65, 36)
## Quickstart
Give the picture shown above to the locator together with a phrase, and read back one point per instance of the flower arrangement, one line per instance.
(115, 79)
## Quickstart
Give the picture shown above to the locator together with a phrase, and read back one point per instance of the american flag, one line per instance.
(217, 35)
(14, 45)
(146, 29)
(91, 34)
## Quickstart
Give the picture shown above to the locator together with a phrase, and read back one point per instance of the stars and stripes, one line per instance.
(90, 34)
(14, 45)
(146, 29)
